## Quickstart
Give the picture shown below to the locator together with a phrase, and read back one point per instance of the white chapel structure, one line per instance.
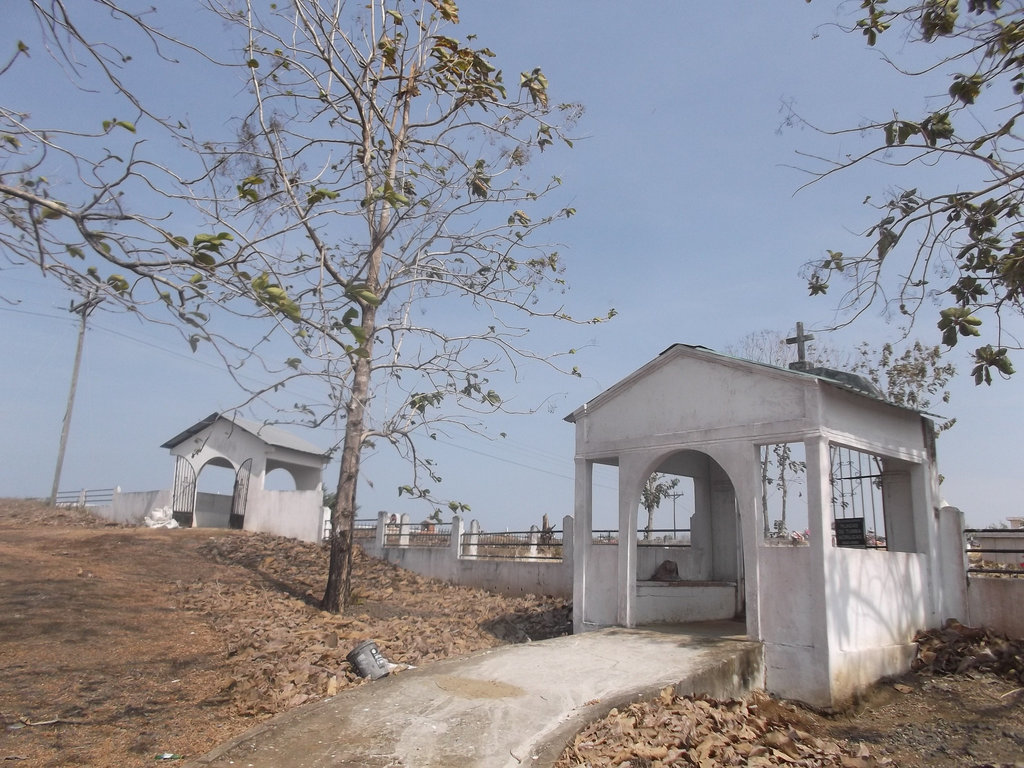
(251, 450)
(836, 605)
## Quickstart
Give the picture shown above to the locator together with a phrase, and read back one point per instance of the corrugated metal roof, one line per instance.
(268, 433)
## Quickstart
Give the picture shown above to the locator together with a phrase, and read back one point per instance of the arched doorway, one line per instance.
(215, 493)
(694, 571)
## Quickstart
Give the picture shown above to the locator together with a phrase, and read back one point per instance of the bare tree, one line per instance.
(373, 227)
(387, 206)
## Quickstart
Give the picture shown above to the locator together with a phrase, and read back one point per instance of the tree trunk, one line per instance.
(343, 516)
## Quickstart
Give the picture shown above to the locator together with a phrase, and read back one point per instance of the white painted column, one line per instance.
(630, 485)
(455, 539)
(817, 670)
(582, 539)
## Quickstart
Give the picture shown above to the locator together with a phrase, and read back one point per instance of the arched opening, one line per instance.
(689, 566)
(280, 479)
(215, 490)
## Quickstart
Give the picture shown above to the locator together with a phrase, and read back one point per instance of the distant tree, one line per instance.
(958, 249)
(912, 378)
(915, 377)
(781, 471)
(657, 488)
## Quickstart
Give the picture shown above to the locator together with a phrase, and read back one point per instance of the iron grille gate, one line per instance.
(858, 508)
(183, 495)
(240, 495)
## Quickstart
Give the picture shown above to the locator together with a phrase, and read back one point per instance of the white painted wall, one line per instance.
(213, 510)
(511, 577)
(994, 602)
(681, 602)
(601, 595)
(295, 514)
(130, 508)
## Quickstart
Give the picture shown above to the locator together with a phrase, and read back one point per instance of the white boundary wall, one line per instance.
(995, 602)
(449, 563)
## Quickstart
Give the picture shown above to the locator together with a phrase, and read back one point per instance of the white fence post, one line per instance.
(379, 536)
(455, 542)
(403, 530)
(533, 538)
(473, 540)
(568, 552)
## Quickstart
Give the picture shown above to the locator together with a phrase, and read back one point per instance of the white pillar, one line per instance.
(455, 542)
(630, 485)
(582, 539)
(819, 523)
(473, 540)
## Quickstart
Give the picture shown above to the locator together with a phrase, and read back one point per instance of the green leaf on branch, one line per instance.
(118, 283)
(955, 322)
(318, 195)
(817, 286)
(834, 261)
(247, 188)
(537, 85)
(518, 218)
(109, 125)
(479, 182)
(899, 131)
(273, 297)
(939, 18)
(361, 293)
(448, 9)
(966, 88)
(420, 401)
(986, 358)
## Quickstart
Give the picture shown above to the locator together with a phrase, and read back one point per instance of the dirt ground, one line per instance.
(119, 645)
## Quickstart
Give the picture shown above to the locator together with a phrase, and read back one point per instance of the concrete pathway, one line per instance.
(515, 706)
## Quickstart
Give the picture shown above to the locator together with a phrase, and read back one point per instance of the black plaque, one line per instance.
(850, 532)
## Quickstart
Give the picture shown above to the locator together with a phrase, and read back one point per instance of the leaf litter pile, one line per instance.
(695, 731)
(963, 705)
(119, 645)
(289, 652)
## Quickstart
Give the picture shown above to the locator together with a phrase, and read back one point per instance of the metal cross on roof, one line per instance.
(801, 351)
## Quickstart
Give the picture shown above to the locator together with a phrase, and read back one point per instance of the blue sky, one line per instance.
(689, 223)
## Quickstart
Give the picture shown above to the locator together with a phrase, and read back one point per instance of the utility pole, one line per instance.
(83, 309)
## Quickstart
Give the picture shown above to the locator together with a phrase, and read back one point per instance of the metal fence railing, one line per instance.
(365, 528)
(995, 551)
(656, 537)
(85, 498)
(663, 537)
(513, 545)
(417, 535)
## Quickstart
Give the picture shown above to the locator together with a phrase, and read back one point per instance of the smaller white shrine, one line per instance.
(837, 603)
(251, 450)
